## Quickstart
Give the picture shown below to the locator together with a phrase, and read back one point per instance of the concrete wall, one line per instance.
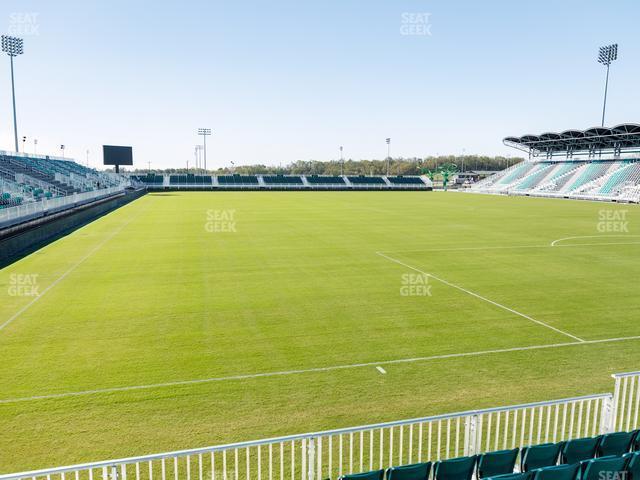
(20, 240)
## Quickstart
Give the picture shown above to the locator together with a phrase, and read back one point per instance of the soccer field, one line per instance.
(188, 319)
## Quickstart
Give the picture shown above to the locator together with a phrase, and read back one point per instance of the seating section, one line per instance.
(190, 179)
(282, 180)
(614, 456)
(25, 179)
(598, 179)
(362, 180)
(236, 179)
(400, 180)
(324, 180)
(149, 179)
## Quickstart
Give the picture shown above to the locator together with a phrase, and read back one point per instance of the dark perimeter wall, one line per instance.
(20, 240)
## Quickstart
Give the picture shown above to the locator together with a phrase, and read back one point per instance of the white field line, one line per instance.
(473, 294)
(381, 370)
(311, 370)
(555, 242)
(515, 247)
(65, 274)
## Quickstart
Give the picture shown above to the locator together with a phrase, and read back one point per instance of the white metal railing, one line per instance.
(314, 456)
(33, 209)
(626, 401)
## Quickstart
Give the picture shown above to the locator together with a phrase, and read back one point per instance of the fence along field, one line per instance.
(329, 454)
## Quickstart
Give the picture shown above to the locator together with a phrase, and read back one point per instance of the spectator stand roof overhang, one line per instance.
(594, 141)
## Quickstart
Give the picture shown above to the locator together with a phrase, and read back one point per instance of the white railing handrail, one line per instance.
(31, 208)
(626, 374)
(290, 438)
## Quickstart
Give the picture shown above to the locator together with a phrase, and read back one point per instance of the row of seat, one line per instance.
(577, 459)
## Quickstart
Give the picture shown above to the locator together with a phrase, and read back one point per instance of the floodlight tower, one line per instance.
(12, 46)
(341, 162)
(388, 140)
(606, 55)
(204, 132)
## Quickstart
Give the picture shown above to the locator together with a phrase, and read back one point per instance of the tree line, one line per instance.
(397, 166)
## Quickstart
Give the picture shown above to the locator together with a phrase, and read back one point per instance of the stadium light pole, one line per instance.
(35, 146)
(388, 140)
(13, 47)
(24, 141)
(341, 162)
(62, 149)
(606, 55)
(204, 132)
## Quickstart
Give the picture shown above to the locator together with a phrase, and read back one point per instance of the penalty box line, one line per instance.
(55, 396)
(480, 297)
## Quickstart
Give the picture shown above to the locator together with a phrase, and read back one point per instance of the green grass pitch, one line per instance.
(177, 287)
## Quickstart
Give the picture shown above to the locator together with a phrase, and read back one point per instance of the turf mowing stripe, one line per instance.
(178, 383)
(473, 294)
(64, 275)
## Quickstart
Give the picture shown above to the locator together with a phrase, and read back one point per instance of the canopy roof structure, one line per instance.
(597, 139)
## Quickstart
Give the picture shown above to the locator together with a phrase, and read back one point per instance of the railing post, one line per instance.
(616, 402)
(471, 435)
(607, 416)
(311, 458)
(114, 472)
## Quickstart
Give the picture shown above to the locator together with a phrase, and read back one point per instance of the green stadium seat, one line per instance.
(513, 476)
(460, 468)
(579, 449)
(558, 472)
(617, 443)
(597, 468)
(416, 471)
(496, 463)
(539, 456)
(373, 475)
(633, 465)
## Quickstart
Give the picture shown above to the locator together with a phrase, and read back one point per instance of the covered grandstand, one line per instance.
(595, 164)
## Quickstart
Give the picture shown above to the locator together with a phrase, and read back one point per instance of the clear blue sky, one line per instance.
(279, 81)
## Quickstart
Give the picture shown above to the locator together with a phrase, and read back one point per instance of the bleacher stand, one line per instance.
(282, 180)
